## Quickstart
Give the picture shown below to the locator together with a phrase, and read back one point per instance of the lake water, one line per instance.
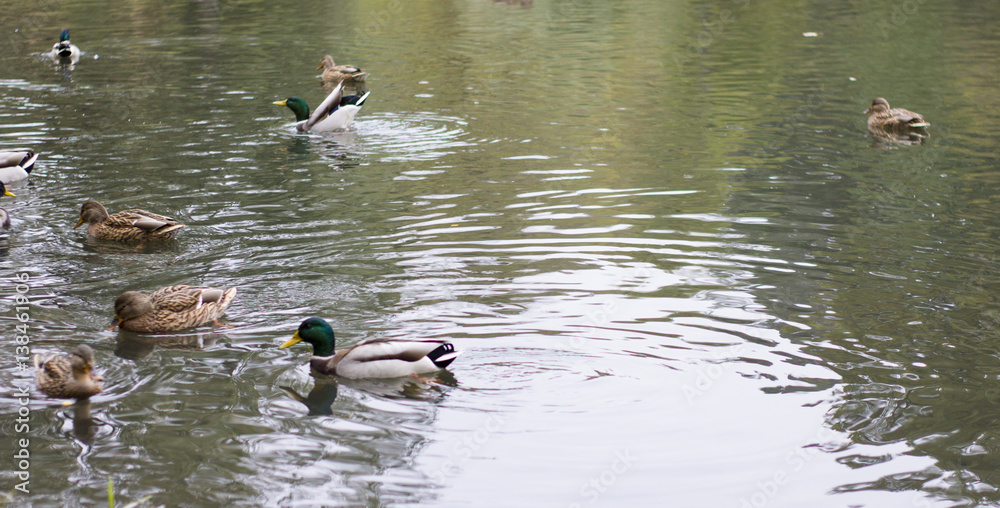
(682, 272)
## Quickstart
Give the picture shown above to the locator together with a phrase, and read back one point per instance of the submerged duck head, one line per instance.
(297, 105)
(315, 331)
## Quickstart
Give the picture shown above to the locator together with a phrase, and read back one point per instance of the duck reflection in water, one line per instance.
(135, 347)
(413, 388)
(84, 426)
(98, 246)
(340, 153)
(321, 396)
(324, 390)
(884, 138)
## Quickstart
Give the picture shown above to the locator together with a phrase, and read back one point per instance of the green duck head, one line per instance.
(64, 36)
(315, 331)
(298, 106)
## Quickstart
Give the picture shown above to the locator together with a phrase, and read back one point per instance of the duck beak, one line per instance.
(280, 103)
(8, 193)
(320, 67)
(869, 110)
(78, 224)
(115, 322)
(292, 341)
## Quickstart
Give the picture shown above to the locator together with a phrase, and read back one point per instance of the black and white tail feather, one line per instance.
(443, 355)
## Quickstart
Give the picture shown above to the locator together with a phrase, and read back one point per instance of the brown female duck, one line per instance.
(171, 308)
(884, 118)
(4, 216)
(333, 73)
(132, 225)
(68, 376)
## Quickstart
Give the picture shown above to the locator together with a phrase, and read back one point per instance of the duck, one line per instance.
(888, 138)
(333, 73)
(4, 216)
(16, 165)
(133, 225)
(335, 113)
(68, 376)
(65, 51)
(171, 308)
(373, 358)
(897, 119)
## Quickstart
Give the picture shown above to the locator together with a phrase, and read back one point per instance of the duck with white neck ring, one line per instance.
(373, 358)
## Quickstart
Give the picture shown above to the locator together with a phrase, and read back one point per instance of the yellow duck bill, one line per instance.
(292, 341)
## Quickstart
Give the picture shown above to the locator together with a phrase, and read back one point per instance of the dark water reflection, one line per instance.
(681, 268)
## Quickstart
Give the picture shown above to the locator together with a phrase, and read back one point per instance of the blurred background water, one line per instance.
(680, 268)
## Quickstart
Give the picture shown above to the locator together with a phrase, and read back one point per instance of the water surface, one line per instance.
(680, 268)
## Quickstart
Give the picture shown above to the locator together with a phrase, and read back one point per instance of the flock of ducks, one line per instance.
(180, 307)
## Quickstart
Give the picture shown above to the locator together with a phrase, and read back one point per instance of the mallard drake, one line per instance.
(68, 376)
(16, 166)
(131, 225)
(4, 216)
(171, 308)
(64, 51)
(335, 113)
(333, 73)
(893, 119)
(373, 358)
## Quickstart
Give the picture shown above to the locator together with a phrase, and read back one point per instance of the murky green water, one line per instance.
(681, 272)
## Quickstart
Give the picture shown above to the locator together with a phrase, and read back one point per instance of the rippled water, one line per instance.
(681, 270)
